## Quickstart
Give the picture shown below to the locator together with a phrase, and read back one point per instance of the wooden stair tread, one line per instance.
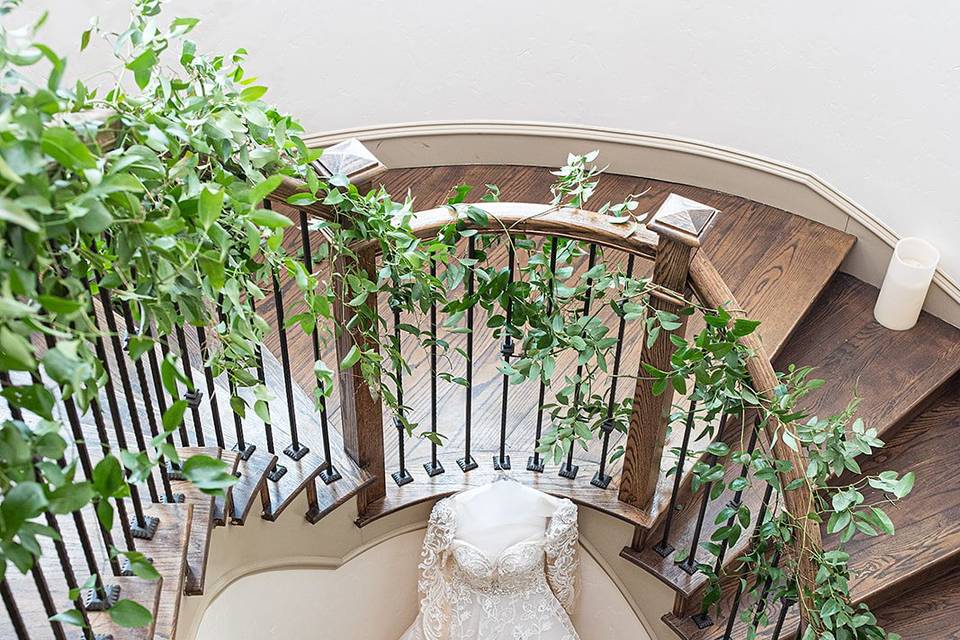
(168, 552)
(201, 523)
(851, 351)
(931, 611)
(253, 475)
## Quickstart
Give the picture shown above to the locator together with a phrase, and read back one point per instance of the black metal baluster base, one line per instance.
(402, 477)
(688, 566)
(433, 468)
(569, 471)
(296, 453)
(601, 481)
(664, 548)
(93, 602)
(702, 620)
(246, 452)
(174, 472)
(147, 531)
(467, 464)
(535, 464)
(501, 464)
(277, 472)
(329, 474)
(178, 498)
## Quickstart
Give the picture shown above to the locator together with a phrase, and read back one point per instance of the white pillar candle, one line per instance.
(905, 286)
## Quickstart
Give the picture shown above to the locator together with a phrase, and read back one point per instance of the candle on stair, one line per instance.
(905, 285)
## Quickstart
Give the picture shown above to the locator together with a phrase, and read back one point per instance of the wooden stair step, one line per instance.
(201, 523)
(222, 504)
(930, 611)
(895, 372)
(168, 552)
(253, 476)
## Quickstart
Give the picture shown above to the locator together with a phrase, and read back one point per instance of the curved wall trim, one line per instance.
(656, 156)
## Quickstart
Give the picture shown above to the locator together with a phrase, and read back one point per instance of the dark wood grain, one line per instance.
(223, 504)
(253, 475)
(167, 551)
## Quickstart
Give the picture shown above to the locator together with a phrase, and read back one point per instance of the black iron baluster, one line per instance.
(402, 476)
(211, 387)
(738, 495)
(329, 473)
(467, 463)
(767, 584)
(13, 611)
(501, 462)
(151, 417)
(175, 393)
(278, 469)
(568, 469)
(664, 548)
(785, 604)
(296, 450)
(46, 599)
(141, 526)
(193, 396)
(601, 479)
(433, 468)
(689, 565)
(173, 468)
(534, 463)
(243, 448)
(69, 575)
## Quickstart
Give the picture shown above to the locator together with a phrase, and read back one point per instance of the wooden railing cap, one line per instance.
(682, 219)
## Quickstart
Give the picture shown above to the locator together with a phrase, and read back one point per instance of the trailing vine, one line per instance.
(157, 195)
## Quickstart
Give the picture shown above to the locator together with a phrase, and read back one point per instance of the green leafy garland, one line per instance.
(157, 196)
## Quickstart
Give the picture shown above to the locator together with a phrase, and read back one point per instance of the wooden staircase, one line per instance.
(783, 269)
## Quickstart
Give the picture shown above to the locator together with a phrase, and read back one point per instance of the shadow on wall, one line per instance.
(373, 597)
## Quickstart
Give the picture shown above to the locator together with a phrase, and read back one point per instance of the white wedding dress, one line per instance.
(499, 563)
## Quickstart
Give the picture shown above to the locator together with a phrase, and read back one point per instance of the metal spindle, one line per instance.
(66, 566)
(767, 584)
(329, 473)
(141, 526)
(737, 496)
(211, 387)
(278, 470)
(243, 448)
(664, 548)
(600, 478)
(534, 463)
(151, 416)
(13, 611)
(433, 468)
(785, 604)
(296, 450)
(46, 599)
(193, 396)
(689, 565)
(467, 463)
(501, 462)
(175, 392)
(568, 469)
(402, 476)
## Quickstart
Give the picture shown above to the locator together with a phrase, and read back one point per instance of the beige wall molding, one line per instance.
(668, 158)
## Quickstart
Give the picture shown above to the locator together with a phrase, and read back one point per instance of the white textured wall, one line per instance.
(866, 93)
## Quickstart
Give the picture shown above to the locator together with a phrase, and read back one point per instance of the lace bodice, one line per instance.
(520, 595)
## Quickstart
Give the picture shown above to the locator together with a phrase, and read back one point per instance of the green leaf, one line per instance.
(352, 358)
(71, 616)
(173, 416)
(209, 208)
(21, 503)
(108, 477)
(10, 212)
(142, 66)
(65, 147)
(265, 188)
(210, 475)
(252, 93)
(270, 219)
(16, 353)
(129, 614)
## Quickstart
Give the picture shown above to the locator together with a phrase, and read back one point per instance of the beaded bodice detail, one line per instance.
(523, 594)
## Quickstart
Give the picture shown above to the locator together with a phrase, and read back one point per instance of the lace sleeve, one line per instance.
(433, 583)
(563, 560)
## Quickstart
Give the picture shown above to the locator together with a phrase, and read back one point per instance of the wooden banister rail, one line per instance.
(712, 291)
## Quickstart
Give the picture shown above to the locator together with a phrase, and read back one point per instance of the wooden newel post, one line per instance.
(680, 223)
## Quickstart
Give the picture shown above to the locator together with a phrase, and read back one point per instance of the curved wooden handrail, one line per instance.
(714, 292)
